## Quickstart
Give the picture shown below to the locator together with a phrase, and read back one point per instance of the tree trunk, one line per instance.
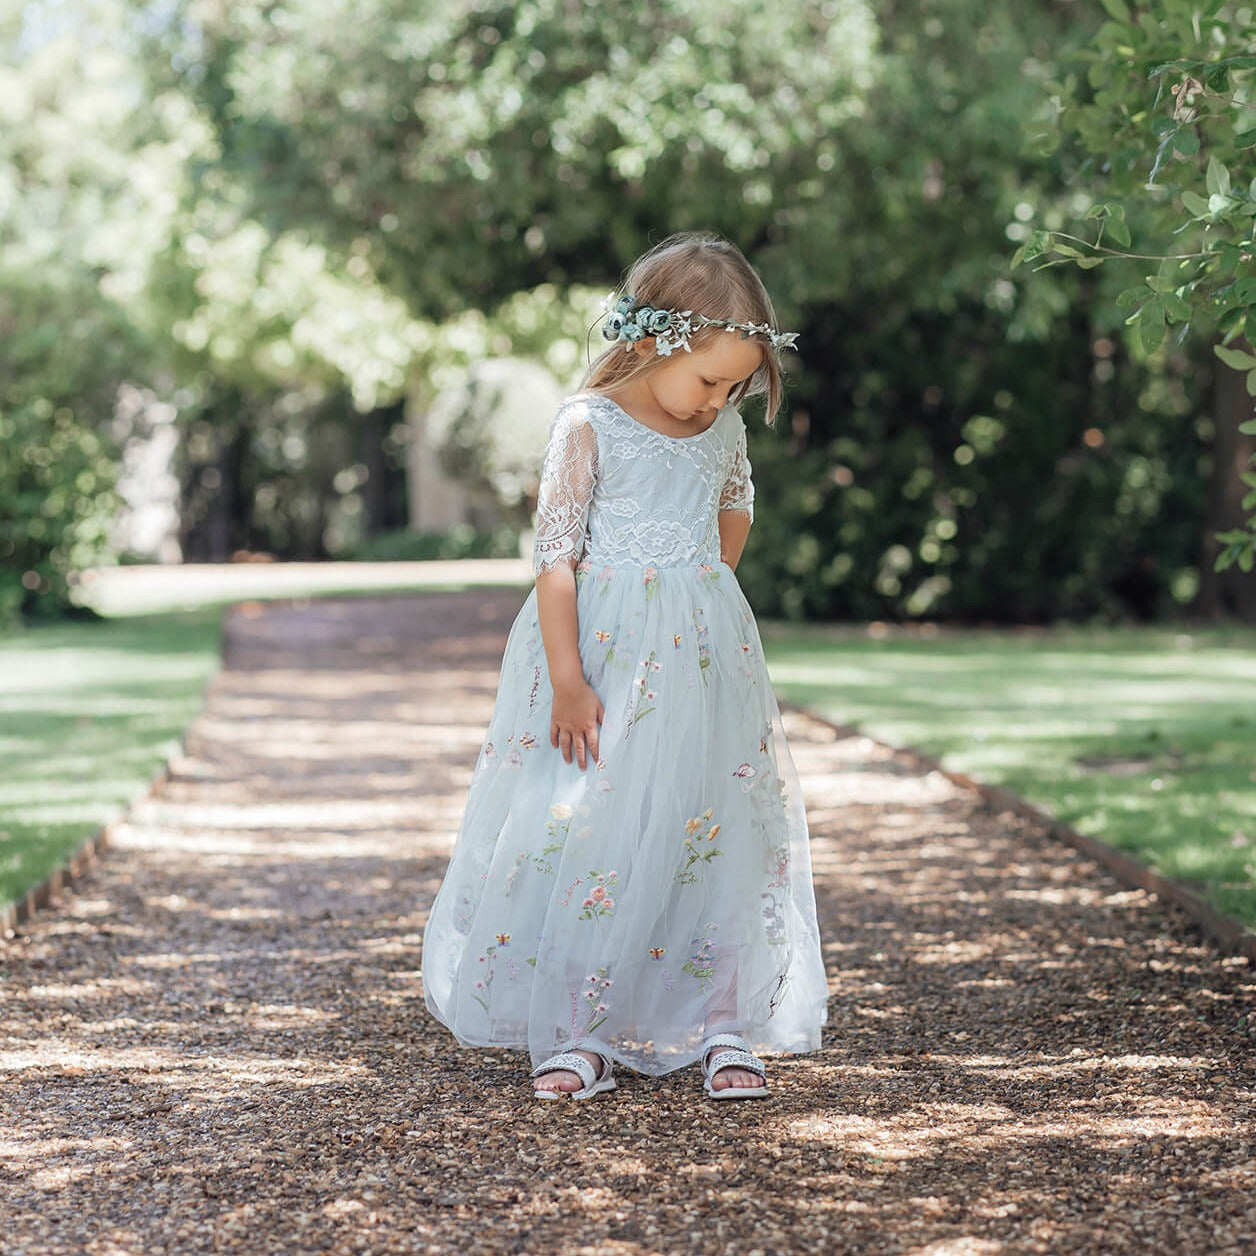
(1230, 592)
(224, 526)
(379, 512)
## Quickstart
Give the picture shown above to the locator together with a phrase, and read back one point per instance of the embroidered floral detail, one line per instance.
(595, 996)
(600, 902)
(744, 772)
(657, 952)
(527, 741)
(503, 939)
(701, 962)
(708, 573)
(699, 834)
(482, 990)
(677, 639)
(639, 704)
(556, 827)
(650, 579)
(773, 919)
(536, 685)
(704, 643)
(602, 637)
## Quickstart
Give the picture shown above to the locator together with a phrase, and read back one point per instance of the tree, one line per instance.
(1165, 119)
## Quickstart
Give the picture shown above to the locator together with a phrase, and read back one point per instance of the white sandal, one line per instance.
(738, 1055)
(570, 1062)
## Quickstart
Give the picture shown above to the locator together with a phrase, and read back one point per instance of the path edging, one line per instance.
(1230, 934)
(76, 866)
(79, 863)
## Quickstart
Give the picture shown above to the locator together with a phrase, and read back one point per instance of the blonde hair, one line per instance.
(710, 276)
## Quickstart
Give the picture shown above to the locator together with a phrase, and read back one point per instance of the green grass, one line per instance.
(89, 712)
(1143, 738)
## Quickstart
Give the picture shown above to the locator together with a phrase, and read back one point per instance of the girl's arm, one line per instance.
(734, 529)
(736, 505)
(566, 489)
(577, 710)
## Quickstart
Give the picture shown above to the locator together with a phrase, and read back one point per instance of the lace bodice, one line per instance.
(620, 494)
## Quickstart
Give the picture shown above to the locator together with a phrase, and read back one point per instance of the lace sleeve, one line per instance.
(562, 503)
(738, 490)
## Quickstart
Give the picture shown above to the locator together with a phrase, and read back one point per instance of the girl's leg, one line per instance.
(722, 1018)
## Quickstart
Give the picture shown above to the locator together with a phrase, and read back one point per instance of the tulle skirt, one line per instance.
(662, 895)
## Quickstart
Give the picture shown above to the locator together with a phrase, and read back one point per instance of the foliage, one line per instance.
(1167, 114)
(64, 335)
(291, 217)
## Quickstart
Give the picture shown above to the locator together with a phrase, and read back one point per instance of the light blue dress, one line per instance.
(665, 894)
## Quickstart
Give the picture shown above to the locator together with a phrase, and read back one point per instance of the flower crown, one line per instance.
(671, 329)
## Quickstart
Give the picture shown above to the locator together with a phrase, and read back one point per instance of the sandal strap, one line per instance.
(735, 1059)
(568, 1062)
(724, 1040)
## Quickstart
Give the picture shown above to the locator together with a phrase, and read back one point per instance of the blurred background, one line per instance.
(305, 279)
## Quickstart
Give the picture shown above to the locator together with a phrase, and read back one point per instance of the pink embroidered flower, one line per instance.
(599, 892)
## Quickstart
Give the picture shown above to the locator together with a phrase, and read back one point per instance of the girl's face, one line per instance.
(694, 387)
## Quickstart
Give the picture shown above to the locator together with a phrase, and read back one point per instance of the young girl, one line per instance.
(632, 880)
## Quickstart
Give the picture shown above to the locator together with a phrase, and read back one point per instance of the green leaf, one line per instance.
(1176, 307)
(1195, 203)
(1158, 283)
(1218, 204)
(1217, 178)
(1186, 141)
(1245, 139)
(1131, 297)
(1117, 9)
(1119, 232)
(1235, 358)
(1037, 244)
(1089, 263)
(1246, 558)
(1251, 383)
(1151, 329)
(1248, 428)
(1065, 250)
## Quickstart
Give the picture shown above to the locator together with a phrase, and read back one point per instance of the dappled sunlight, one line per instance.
(229, 1021)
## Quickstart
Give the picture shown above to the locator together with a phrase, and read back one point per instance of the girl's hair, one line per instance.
(710, 276)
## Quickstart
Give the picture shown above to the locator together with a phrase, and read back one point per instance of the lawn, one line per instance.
(1144, 738)
(89, 712)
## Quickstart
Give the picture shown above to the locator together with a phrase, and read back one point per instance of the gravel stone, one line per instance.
(218, 1042)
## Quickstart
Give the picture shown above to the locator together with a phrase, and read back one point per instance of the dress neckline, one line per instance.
(610, 401)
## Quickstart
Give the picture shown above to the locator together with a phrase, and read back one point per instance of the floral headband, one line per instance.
(671, 329)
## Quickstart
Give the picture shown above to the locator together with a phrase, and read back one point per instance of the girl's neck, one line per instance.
(637, 402)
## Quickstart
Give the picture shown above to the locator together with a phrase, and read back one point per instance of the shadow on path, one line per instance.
(220, 1045)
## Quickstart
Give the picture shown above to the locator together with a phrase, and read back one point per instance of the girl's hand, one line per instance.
(574, 721)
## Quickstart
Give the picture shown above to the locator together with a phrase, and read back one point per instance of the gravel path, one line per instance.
(219, 1044)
